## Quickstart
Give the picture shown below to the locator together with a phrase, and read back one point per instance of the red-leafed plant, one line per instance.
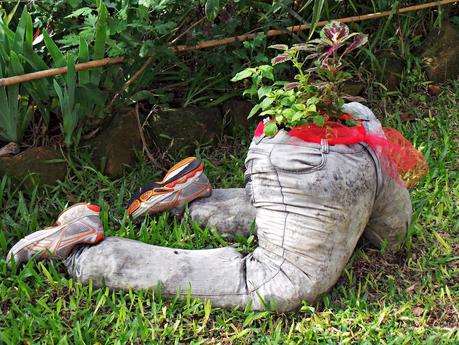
(315, 94)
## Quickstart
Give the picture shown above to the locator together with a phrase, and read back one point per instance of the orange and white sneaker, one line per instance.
(183, 183)
(79, 224)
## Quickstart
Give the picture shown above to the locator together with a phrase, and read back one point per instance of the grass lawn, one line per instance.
(404, 298)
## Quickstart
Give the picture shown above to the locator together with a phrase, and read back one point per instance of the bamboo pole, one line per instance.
(216, 43)
(296, 28)
(56, 71)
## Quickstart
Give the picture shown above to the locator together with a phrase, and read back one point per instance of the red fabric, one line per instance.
(398, 157)
(259, 130)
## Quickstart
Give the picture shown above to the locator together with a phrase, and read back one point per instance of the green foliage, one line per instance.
(19, 55)
(212, 9)
(15, 112)
(140, 29)
(315, 95)
(67, 99)
(146, 28)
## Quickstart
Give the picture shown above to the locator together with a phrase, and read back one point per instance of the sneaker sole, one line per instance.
(42, 234)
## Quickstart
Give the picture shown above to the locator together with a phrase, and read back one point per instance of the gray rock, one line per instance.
(38, 164)
(181, 130)
(9, 150)
(393, 69)
(114, 147)
(351, 88)
(441, 53)
(235, 113)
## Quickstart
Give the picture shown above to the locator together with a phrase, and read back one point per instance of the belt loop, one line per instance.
(325, 147)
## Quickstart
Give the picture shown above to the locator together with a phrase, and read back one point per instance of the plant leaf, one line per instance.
(266, 71)
(101, 32)
(319, 120)
(243, 74)
(266, 103)
(99, 41)
(279, 46)
(212, 9)
(263, 91)
(56, 54)
(254, 110)
(271, 129)
(83, 11)
(18, 40)
(291, 85)
(316, 14)
(359, 40)
(281, 58)
(83, 56)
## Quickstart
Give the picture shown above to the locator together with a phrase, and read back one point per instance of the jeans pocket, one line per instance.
(257, 160)
(298, 159)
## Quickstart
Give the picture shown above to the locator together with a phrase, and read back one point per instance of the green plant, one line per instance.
(67, 99)
(141, 29)
(315, 95)
(81, 96)
(15, 113)
(16, 56)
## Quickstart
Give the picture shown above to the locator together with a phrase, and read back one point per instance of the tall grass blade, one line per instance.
(99, 41)
(83, 56)
(56, 54)
(18, 40)
(316, 14)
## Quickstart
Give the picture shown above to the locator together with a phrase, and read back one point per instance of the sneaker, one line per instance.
(183, 183)
(74, 212)
(79, 224)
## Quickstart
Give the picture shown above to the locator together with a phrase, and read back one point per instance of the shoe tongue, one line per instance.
(179, 167)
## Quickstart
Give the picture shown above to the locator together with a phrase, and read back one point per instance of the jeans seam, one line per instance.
(279, 269)
(377, 165)
(283, 235)
(252, 195)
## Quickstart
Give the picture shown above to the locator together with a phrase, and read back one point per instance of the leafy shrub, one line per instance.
(138, 29)
(315, 95)
(18, 55)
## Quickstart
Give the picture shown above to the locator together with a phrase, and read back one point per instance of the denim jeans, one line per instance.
(311, 204)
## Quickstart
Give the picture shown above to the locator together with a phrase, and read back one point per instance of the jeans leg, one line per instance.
(229, 210)
(222, 275)
(121, 263)
(391, 215)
